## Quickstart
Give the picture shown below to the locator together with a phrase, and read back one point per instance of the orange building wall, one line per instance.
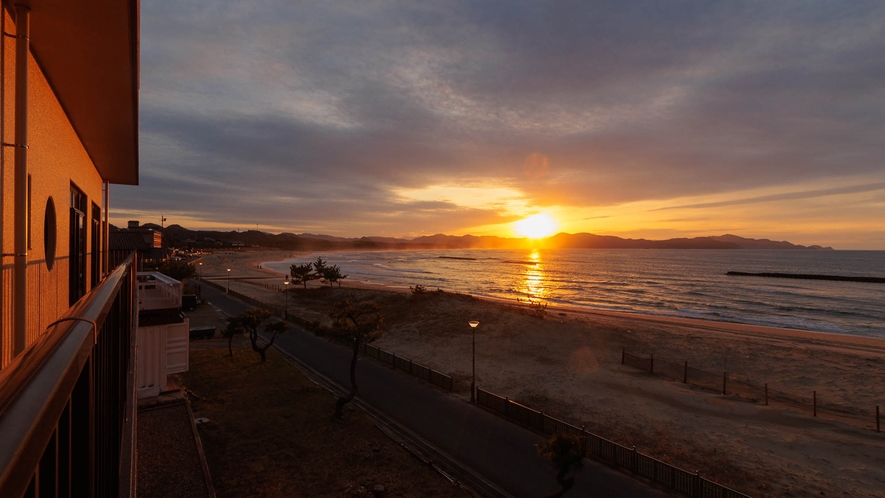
(56, 158)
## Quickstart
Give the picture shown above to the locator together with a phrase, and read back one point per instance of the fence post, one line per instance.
(633, 462)
(651, 367)
(814, 402)
(685, 373)
(696, 485)
(623, 353)
(587, 451)
(877, 419)
(724, 380)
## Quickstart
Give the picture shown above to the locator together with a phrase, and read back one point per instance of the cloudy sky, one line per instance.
(638, 119)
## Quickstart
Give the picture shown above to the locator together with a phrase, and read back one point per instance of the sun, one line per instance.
(536, 226)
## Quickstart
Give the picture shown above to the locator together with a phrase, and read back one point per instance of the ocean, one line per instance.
(667, 282)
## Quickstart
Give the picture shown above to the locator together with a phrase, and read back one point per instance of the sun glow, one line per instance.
(536, 226)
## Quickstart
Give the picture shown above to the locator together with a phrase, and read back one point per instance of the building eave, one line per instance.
(89, 53)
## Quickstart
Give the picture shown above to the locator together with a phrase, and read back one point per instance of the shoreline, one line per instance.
(570, 367)
(721, 326)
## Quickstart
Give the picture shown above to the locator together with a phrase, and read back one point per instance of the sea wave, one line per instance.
(666, 283)
(401, 270)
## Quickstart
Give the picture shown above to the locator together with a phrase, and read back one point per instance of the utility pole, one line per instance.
(163, 237)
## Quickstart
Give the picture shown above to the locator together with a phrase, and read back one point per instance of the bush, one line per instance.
(535, 307)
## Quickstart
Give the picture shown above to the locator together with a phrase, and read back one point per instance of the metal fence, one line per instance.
(669, 476)
(727, 383)
(258, 283)
(406, 365)
(690, 484)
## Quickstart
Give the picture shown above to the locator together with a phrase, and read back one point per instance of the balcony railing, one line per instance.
(157, 291)
(68, 405)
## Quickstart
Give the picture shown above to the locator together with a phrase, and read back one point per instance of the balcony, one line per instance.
(158, 292)
(68, 404)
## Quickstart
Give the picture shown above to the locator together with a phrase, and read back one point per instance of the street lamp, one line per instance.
(473, 324)
(199, 270)
(228, 281)
(286, 309)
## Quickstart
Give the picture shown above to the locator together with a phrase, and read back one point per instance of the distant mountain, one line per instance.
(469, 241)
(180, 236)
(591, 241)
(763, 243)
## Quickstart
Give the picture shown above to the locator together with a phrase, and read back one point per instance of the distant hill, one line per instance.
(182, 237)
(763, 243)
(591, 241)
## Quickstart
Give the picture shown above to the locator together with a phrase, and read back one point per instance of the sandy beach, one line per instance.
(569, 365)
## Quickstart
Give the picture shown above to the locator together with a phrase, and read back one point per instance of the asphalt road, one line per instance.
(500, 451)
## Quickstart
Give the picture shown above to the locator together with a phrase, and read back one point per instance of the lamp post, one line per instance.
(286, 291)
(473, 324)
(199, 271)
(228, 281)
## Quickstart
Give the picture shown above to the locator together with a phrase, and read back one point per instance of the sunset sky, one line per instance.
(637, 119)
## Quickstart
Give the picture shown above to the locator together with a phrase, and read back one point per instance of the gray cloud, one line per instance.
(311, 114)
(789, 196)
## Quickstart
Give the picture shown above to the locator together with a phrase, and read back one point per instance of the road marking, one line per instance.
(216, 308)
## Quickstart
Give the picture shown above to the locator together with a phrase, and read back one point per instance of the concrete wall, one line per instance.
(56, 159)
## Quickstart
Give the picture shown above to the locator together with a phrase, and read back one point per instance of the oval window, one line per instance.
(49, 233)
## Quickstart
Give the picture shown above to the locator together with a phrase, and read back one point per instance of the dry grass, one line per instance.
(271, 433)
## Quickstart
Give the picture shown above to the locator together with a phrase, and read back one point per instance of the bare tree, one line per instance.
(566, 453)
(234, 328)
(249, 322)
(359, 324)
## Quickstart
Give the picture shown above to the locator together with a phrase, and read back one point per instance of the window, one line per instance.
(77, 268)
(49, 233)
(95, 260)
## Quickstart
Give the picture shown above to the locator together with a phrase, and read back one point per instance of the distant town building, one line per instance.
(147, 242)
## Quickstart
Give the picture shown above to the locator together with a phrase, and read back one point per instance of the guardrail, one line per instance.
(669, 476)
(68, 402)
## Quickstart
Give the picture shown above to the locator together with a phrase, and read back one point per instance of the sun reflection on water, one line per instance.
(534, 282)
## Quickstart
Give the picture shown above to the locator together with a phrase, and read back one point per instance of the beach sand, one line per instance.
(568, 364)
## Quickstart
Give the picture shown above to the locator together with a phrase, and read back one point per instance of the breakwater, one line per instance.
(808, 276)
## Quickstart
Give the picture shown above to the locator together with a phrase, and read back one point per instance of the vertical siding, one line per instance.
(151, 378)
(177, 347)
(6, 324)
(6, 201)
